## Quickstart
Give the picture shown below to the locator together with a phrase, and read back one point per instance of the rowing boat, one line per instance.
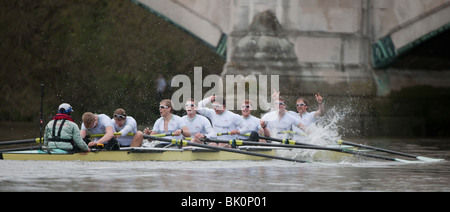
(138, 154)
(162, 154)
(197, 151)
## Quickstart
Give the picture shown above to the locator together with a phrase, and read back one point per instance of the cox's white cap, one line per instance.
(65, 108)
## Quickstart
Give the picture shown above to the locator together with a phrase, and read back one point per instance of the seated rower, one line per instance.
(99, 124)
(253, 124)
(126, 124)
(307, 118)
(169, 123)
(63, 133)
(198, 125)
(223, 121)
(280, 120)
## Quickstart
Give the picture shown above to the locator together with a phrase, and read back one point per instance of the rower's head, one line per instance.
(280, 104)
(120, 117)
(190, 107)
(302, 105)
(219, 104)
(65, 109)
(165, 107)
(246, 107)
(89, 120)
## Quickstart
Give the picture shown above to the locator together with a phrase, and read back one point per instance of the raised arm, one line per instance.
(201, 107)
(321, 110)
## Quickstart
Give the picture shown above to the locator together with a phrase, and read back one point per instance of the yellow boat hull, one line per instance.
(132, 155)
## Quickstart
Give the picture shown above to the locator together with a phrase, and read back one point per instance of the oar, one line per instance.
(340, 142)
(311, 146)
(225, 133)
(132, 134)
(293, 132)
(37, 140)
(101, 135)
(163, 135)
(228, 133)
(343, 150)
(25, 141)
(185, 142)
(19, 149)
(390, 151)
(284, 141)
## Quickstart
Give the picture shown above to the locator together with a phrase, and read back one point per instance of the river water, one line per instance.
(354, 174)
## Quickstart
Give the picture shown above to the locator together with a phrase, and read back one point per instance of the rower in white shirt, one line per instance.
(169, 123)
(125, 124)
(280, 120)
(223, 121)
(252, 123)
(307, 118)
(198, 125)
(99, 124)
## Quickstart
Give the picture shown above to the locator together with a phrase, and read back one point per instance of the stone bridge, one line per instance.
(362, 48)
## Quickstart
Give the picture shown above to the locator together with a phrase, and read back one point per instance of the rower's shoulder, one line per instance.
(269, 114)
(201, 117)
(103, 116)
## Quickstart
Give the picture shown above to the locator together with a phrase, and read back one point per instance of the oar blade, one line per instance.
(426, 159)
(406, 161)
(420, 158)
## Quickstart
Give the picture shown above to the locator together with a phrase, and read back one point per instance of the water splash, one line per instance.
(330, 128)
(325, 132)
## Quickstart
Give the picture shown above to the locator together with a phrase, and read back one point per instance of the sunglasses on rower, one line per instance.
(217, 105)
(119, 116)
(163, 107)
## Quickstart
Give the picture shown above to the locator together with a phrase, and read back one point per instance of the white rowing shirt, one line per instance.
(224, 122)
(103, 121)
(252, 124)
(130, 126)
(278, 124)
(175, 123)
(199, 124)
(307, 119)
